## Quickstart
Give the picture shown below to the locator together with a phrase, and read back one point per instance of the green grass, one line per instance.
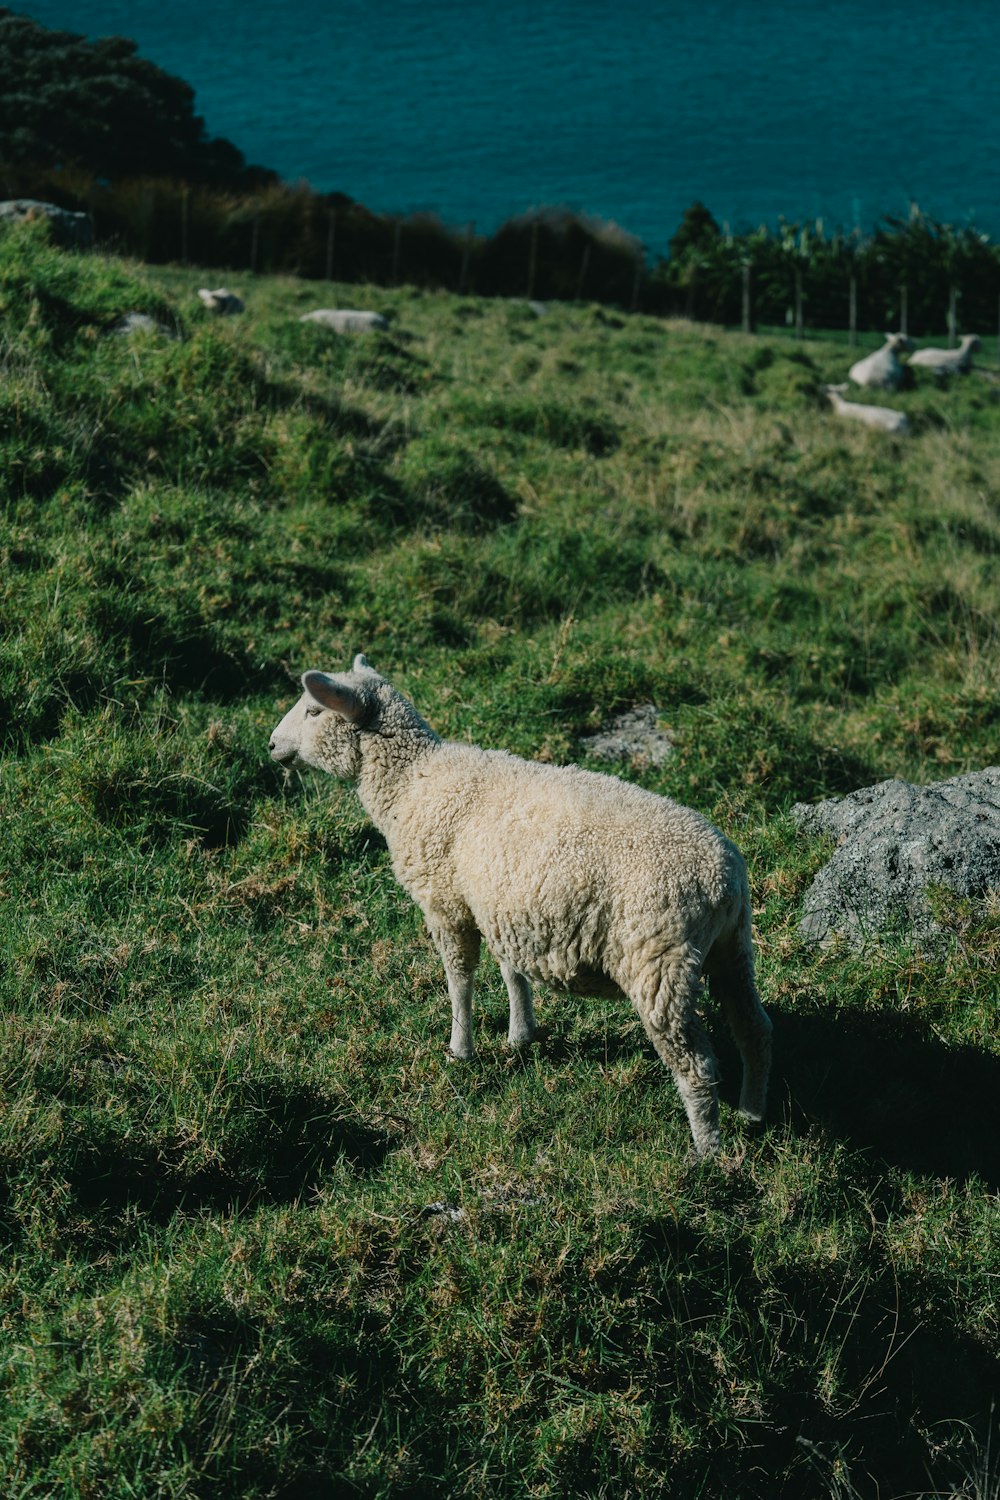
(260, 1237)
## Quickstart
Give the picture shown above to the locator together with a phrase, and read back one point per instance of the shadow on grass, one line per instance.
(563, 1036)
(852, 1373)
(281, 1144)
(331, 1410)
(885, 1084)
(882, 1083)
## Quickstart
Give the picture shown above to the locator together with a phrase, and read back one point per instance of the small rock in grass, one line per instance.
(442, 1210)
(633, 736)
(137, 322)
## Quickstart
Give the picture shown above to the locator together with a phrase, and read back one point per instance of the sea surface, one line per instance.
(626, 111)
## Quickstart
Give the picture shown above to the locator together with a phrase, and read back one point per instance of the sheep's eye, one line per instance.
(312, 712)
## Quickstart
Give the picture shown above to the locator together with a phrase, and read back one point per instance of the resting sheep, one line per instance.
(882, 418)
(345, 320)
(883, 369)
(221, 300)
(572, 877)
(944, 362)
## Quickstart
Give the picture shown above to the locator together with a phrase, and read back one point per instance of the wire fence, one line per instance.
(915, 276)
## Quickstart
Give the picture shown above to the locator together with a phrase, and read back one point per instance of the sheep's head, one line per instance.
(323, 729)
(338, 716)
(898, 342)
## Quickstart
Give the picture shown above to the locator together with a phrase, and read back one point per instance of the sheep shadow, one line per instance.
(883, 1083)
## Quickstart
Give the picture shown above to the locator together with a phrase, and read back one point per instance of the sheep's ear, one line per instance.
(335, 695)
(362, 664)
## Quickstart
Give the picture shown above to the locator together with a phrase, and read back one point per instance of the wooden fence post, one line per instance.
(692, 292)
(254, 243)
(953, 297)
(640, 263)
(463, 275)
(331, 239)
(397, 235)
(746, 319)
(92, 200)
(852, 312)
(904, 308)
(799, 325)
(532, 260)
(584, 263)
(148, 202)
(185, 193)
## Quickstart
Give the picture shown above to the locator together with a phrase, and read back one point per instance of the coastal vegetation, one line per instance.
(260, 1237)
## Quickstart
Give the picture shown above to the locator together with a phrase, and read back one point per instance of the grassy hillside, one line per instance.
(260, 1237)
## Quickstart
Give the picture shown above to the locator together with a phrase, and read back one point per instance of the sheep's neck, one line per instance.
(386, 771)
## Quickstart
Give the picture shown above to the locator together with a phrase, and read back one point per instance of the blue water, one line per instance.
(627, 111)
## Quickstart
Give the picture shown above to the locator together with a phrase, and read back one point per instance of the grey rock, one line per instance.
(448, 1211)
(70, 228)
(632, 736)
(894, 840)
(137, 322)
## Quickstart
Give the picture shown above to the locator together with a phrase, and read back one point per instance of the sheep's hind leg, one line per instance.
(521, 1030)
(731, 978)
(666, 1003)
(459, 952)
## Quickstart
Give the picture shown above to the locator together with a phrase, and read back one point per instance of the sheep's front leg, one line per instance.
(459, 950)
(521, 1030)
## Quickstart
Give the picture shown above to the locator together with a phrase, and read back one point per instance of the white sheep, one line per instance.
(345, 319)
(882, 418)
(572, 877)
(883, 369)
(948, 361)
(221, 300)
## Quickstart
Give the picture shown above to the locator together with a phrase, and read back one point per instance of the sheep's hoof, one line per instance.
(752, 1118)
(706, 1145)
(454, 1056)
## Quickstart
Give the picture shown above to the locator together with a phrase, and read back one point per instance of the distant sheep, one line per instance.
(574, 878)
(947, 361)
(883, 370)
(345, 320)
(882, 418)
(221, 300)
